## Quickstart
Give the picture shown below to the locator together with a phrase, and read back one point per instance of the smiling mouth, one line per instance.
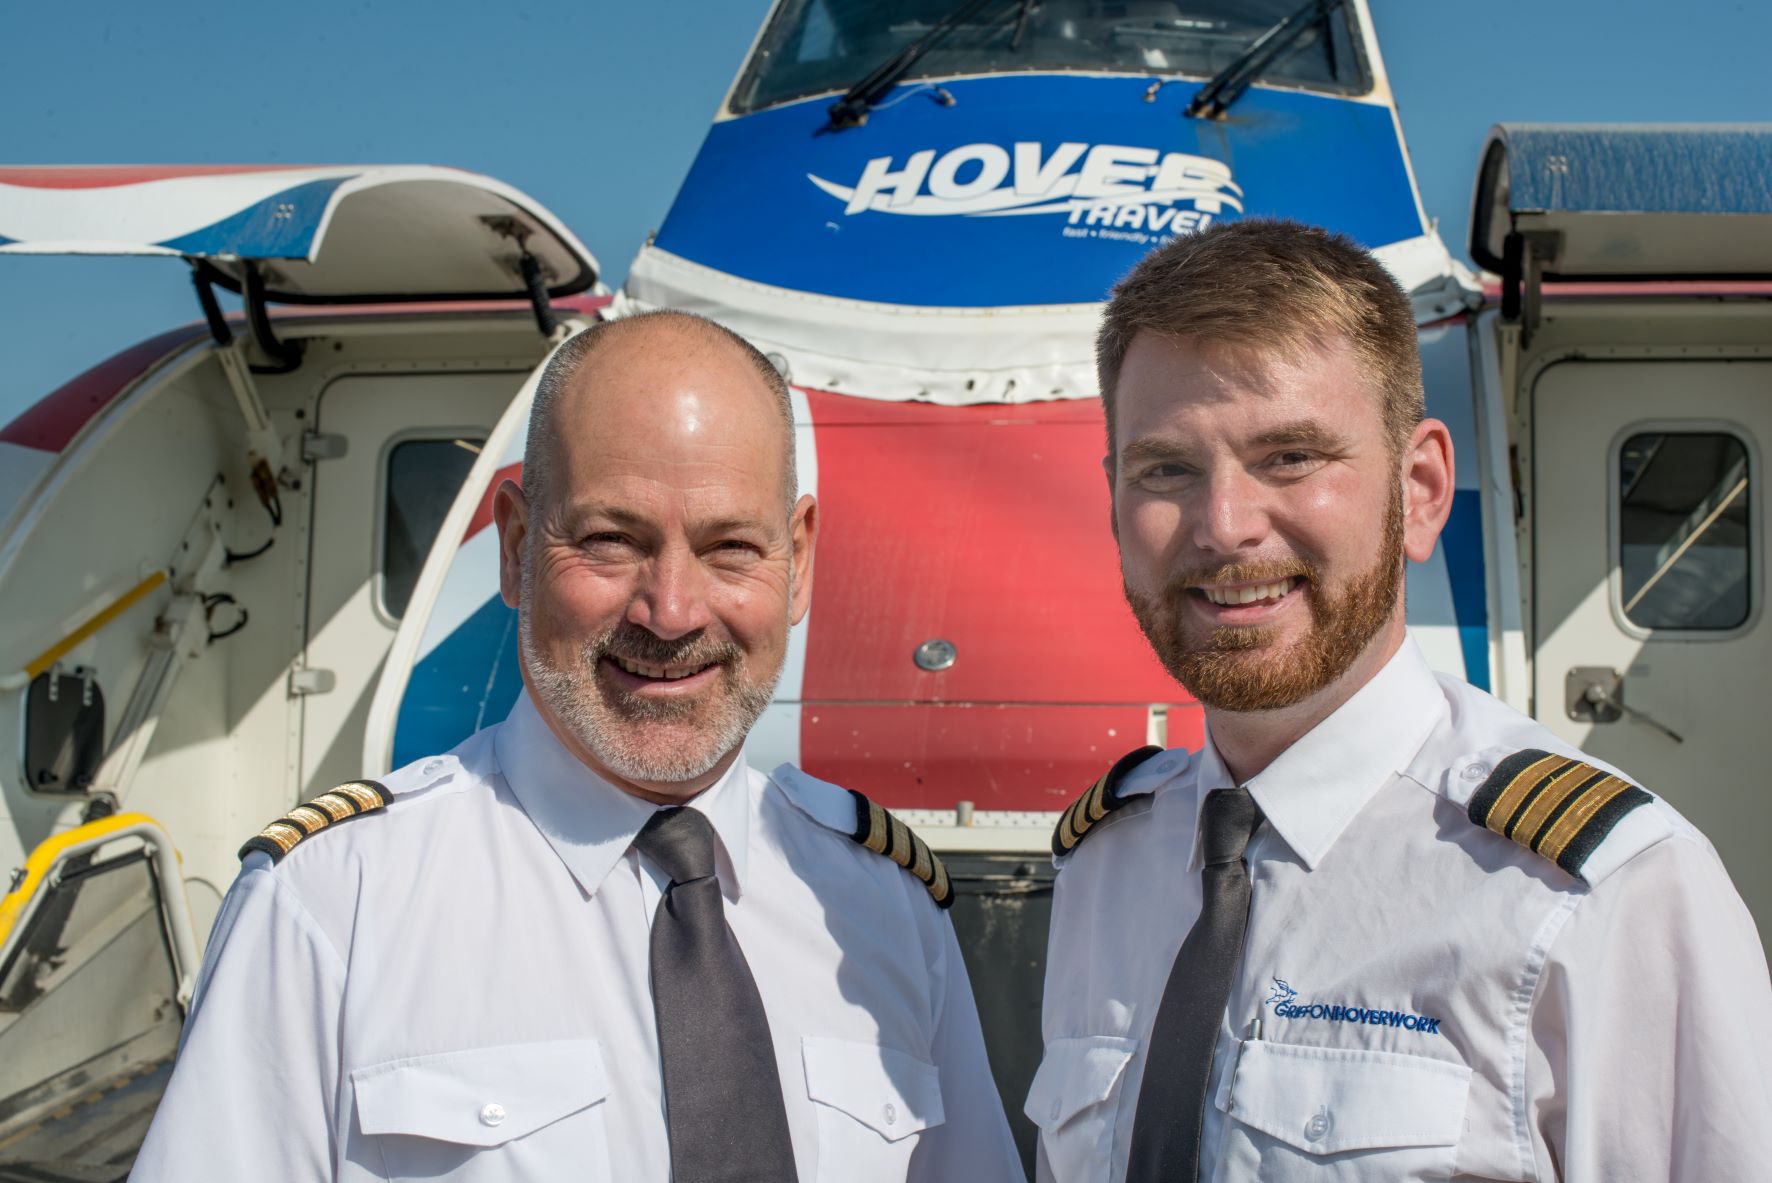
(1255, 593)
(659, 673)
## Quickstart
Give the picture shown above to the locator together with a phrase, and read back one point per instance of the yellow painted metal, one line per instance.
(37, 867)
(117, 607)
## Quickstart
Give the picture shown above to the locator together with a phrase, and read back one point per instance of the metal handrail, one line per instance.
(47, 659)
(40, 873)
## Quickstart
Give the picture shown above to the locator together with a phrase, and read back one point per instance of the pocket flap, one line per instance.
(1075, 1073)
(890, 1092)
(1324, 1100)
(484, 1097)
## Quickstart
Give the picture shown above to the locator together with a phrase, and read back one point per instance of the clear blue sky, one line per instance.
(597, 108)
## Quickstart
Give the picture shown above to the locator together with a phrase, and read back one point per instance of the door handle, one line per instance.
(1595, 694)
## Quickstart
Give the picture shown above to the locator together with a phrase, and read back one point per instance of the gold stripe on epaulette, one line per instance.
(1084, 812)
(879, 831)
(367, 795)
(337, 808)
(1521, 784)
(349, 800)
(1594, 799)
(310, 819)
(1096, 802)
(1557, 807)
(284, 835)
(940, 886)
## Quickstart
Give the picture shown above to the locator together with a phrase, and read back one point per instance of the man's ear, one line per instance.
(1428, 487)
(510, 513)
(803, 527)
(1107, 467)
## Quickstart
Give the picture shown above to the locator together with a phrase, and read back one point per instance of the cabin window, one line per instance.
(423, 477)
(1684, 543)
(822, 46)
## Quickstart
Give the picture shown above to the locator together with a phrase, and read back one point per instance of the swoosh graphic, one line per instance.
(999, 203)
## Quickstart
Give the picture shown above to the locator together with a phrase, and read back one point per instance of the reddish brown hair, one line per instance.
(1272, 284)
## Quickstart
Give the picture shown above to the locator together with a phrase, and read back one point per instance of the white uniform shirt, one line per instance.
(1433, 999)
(457, 989)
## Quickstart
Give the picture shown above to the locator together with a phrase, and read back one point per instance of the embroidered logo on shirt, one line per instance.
(1285, 1002)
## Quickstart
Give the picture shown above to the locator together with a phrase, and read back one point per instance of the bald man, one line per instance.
(592, 943)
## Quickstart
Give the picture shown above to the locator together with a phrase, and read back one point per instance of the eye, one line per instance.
(1293, 460)
(1167, 474)
(729, 550)
(604, 540)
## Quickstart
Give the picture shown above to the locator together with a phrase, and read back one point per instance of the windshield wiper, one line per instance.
(852, 109)
(1228, 85)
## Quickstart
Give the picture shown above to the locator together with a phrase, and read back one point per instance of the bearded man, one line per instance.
(1380, 926)
(591, 943)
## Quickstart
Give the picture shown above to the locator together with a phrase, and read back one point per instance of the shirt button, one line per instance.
(891, 1114)
(1475, 771)
(431, 768)
(1318, 1127)
(492, 1113)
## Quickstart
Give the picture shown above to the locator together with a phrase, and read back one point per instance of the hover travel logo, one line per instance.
(1102, 190)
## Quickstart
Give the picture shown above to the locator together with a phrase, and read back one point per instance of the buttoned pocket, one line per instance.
(513, 1112)
(870, 1102)
(1075, 1100)
(1342, 1113)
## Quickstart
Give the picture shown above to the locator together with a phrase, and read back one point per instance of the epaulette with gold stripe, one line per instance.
(880, 832)
(1099, 800)
(1554, 806)
(352, 799)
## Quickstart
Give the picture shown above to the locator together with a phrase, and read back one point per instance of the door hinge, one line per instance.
(318, 445)
(310, 681)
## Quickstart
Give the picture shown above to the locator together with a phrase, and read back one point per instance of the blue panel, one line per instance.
(281, 226)
(1462, 543)
(1718, 169)
(1028, 190)
(469, 681)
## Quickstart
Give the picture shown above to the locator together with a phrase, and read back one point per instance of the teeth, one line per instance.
(652, 671)
(1232, 596)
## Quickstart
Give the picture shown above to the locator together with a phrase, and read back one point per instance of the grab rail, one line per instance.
(59, 650)
(39, 873)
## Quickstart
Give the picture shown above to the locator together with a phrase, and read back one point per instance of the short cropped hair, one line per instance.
(559, 372)
(1270, 283)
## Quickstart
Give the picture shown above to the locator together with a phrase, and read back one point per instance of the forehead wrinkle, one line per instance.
(573, 514)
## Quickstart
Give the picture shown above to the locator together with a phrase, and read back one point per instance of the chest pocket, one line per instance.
(1321, 1113)
(1075, 1100)
(870, 1101)
(525, 1111)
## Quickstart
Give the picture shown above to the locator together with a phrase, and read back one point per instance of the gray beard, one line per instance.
(614, 732)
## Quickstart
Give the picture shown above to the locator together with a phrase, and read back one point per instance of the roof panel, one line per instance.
(323, 233)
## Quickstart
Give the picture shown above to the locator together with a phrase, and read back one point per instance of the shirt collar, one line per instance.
(589, 822)
(1314, 788)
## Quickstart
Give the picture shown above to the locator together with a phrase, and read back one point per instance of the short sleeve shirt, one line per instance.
(1419, 998)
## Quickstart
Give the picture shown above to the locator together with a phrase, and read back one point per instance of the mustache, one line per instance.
(1255, 571)
(641, 645)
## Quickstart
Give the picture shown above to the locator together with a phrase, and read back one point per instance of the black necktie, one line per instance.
(723, 1102)
(1178, 1064)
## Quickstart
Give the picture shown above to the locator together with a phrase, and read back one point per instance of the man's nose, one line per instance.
(1231, 514)
(672, 599)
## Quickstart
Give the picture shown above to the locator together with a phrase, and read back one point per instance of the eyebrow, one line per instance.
(1151, 449)
(1300, 433)
(576, 517)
